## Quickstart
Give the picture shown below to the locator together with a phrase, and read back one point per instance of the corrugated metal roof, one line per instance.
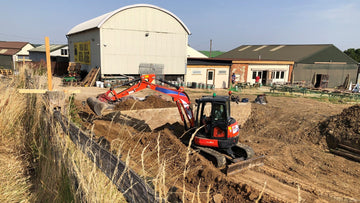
(53, 47)
(12, 45)
(298, 53)
(274, 52)
(9, 52)
(100, 20)
(11, 48)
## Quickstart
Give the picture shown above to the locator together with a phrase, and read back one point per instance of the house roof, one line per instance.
(100, 20)
(53, 47)
(298, 53)
(11, 48)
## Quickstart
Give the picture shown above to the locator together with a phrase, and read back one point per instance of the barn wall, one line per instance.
(337, 72)
(143, 35)
(93, 37)
(6, 62)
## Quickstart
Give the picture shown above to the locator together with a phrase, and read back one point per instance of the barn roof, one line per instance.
(53, 47)
(11, 48)
(298, 53)
(100, 20)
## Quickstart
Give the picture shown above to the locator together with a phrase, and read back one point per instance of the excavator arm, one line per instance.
(146, 81)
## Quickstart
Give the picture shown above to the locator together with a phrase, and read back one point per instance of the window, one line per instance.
(82, 52)
(277, 75)
(21, 57)
(219, 112)
(196, 72)
(210, 75)
(222, 72)
(64, 52)
(282, 75)
(254, 75)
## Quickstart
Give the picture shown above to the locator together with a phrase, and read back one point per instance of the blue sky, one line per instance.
(229, 23)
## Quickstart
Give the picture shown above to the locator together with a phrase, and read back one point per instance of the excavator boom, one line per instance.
(99, 104)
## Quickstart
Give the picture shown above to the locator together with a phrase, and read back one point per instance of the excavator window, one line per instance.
(219, 112)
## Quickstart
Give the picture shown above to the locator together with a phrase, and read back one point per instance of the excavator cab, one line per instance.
(220, 130)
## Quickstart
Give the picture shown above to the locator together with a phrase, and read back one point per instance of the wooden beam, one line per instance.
(266, 62)
(38, 91)
(41, 91)
(48, 63)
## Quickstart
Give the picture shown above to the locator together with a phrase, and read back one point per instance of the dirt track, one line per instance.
(298, 164)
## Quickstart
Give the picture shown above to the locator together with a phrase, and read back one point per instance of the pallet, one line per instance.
(90, 78)
(5, 72)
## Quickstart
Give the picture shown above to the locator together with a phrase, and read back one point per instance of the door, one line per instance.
(264, 77)
(322, 81)
(210, 77)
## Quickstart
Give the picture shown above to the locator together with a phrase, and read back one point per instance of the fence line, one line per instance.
(126, 180)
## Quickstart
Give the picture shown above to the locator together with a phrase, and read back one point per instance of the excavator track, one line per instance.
(244, 158)
(217, 158)
(347, 152)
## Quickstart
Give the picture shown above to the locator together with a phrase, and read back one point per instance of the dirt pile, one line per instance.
(153, 101)
(341, 128)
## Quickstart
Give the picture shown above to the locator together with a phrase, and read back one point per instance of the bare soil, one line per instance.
(149, 102)
(291, 132)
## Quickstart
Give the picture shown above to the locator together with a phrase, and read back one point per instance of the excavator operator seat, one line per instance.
(219, 112)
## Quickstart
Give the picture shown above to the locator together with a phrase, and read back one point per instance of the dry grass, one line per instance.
(13, 165)
(60, 171)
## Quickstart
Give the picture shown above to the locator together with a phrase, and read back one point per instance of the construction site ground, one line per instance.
(287, 130)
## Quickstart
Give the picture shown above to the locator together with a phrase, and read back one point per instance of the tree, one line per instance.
(353, 53)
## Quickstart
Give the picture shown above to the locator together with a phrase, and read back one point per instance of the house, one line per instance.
(58, 52)
(322, 65)
(131, 40)
(208, 72)
(12, 52)
(218, 71)
(269, 71)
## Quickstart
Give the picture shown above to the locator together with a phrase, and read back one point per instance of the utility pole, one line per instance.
(210, 48)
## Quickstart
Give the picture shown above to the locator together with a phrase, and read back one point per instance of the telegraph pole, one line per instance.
(210, 48)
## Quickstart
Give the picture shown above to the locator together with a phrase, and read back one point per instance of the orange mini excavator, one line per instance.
(216, 132)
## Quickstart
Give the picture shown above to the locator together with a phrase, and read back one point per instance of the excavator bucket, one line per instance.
(97, 106)
(248, 163)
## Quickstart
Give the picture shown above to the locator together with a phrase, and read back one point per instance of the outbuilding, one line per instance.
(209, 72)
(58, 52)
(320, 65)
(218, 72)
(130, 40)
(11, 52)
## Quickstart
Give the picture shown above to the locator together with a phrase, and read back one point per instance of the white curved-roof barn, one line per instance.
(100, 20)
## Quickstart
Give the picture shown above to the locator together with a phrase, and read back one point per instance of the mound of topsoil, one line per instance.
(341, 128)
(153, 101)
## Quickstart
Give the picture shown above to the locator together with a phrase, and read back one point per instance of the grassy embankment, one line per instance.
(38, 163)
